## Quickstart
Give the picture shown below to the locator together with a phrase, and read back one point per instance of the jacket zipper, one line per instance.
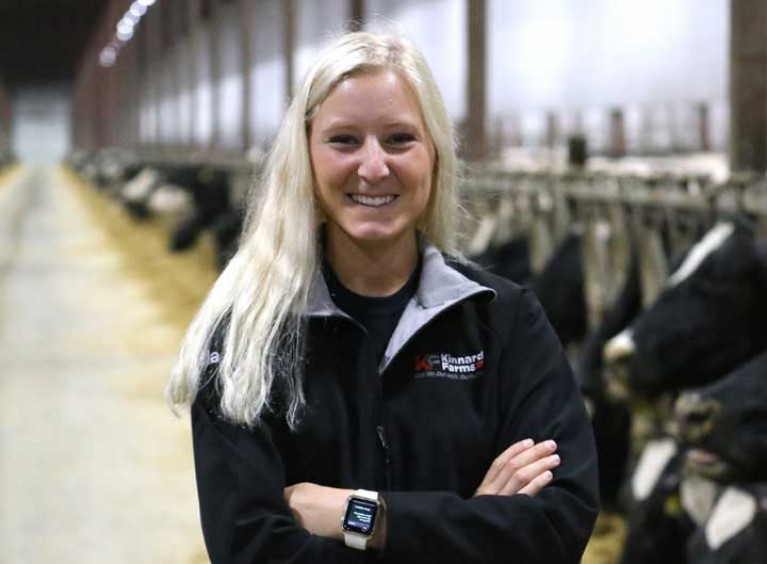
(378, 407)
(387, 455)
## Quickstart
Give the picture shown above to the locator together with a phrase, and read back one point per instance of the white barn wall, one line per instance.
(595, 54)
(654, 59)
(319, 23)
(42, 123)
(438, 28)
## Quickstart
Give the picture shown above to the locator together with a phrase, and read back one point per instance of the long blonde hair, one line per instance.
(263, 291)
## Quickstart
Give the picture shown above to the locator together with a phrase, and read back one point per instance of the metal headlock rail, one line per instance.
(695, 193)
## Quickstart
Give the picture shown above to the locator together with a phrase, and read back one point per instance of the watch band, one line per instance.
(353, 540)
(367, 494)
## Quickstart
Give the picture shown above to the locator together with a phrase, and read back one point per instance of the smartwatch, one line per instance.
(359, 520)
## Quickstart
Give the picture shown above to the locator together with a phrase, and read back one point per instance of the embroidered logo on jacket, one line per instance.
(445, 365)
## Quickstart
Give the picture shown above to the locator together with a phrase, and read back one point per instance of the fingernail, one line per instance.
(528, 442)
(555, 459)
(551, 445)
(547, 475)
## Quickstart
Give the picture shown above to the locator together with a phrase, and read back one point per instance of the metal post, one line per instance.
(194, 49)
(215, 74)
(245, 13)
(477, 63)
(748, 85)
(617, 134)
(289, 27)
(704, 136)
(356, 20)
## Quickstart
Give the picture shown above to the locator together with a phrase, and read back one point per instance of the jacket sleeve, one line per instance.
(541, 401)
(240, 482)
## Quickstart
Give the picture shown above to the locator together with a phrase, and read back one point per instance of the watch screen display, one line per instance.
(360, 516)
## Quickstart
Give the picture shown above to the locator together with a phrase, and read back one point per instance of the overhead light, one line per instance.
(125, 35)
(146, 2)
(131, 17)
(125, 26)
(138, 9)
(108, 57)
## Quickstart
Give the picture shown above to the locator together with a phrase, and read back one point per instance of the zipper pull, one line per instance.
(382, 438)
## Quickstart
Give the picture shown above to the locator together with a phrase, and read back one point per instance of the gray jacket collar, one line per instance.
(439, 288)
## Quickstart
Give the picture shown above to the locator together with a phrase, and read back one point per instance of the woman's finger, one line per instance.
(511, 466)
(502, 459)
(537, 484)
(505, 466)
(525, 475)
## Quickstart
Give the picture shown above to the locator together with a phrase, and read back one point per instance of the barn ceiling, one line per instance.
(42, 40)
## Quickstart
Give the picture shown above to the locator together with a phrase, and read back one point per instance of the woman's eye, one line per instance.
(401, 138)
(343, 139)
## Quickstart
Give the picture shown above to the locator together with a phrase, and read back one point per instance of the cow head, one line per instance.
(725, 425)
(708, 319)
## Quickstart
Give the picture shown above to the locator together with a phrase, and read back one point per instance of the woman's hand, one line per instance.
(524, 468)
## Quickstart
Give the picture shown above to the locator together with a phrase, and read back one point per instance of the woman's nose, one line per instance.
(373, 166)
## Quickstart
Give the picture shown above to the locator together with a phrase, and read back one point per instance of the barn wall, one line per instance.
(438, 27)
(553, 68)
(654, 58)
(42, 123)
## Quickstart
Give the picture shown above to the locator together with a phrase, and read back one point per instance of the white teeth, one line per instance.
(372, 201)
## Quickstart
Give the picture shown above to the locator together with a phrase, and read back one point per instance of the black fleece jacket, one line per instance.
(481, 371)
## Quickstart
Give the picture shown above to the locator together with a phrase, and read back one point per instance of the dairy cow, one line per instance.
(724, 425)
(707, 320)
(735, 530)
(658, 527)
(559, 286)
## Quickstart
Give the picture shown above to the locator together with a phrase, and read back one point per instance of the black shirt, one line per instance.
(378, 315)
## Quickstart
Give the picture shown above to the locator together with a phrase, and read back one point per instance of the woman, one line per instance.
(341, 350)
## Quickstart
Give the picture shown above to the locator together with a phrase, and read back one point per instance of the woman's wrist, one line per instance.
(320, 510)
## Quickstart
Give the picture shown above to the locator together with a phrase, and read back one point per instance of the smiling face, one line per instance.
(372, 160)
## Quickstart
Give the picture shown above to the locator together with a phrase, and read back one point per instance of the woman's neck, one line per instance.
(371, 269)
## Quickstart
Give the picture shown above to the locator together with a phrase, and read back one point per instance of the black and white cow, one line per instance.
(511, 260)
(658, 527)
(725, 425)
(735, 530)
(560, 289)
(559, 286)
(708, 319)
(210, 191)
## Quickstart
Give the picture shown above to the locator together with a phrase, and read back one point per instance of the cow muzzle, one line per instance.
(695, 416)
(618, 354)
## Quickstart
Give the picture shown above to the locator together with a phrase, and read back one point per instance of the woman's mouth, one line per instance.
(372, 201)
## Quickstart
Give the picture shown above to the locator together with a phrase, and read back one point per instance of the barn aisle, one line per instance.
(93, 468)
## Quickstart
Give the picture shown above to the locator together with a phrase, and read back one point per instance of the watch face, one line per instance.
(360, 516)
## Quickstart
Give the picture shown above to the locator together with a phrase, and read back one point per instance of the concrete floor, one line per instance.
(93, 467)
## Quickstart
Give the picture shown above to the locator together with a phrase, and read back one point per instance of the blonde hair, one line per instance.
(263, 291)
